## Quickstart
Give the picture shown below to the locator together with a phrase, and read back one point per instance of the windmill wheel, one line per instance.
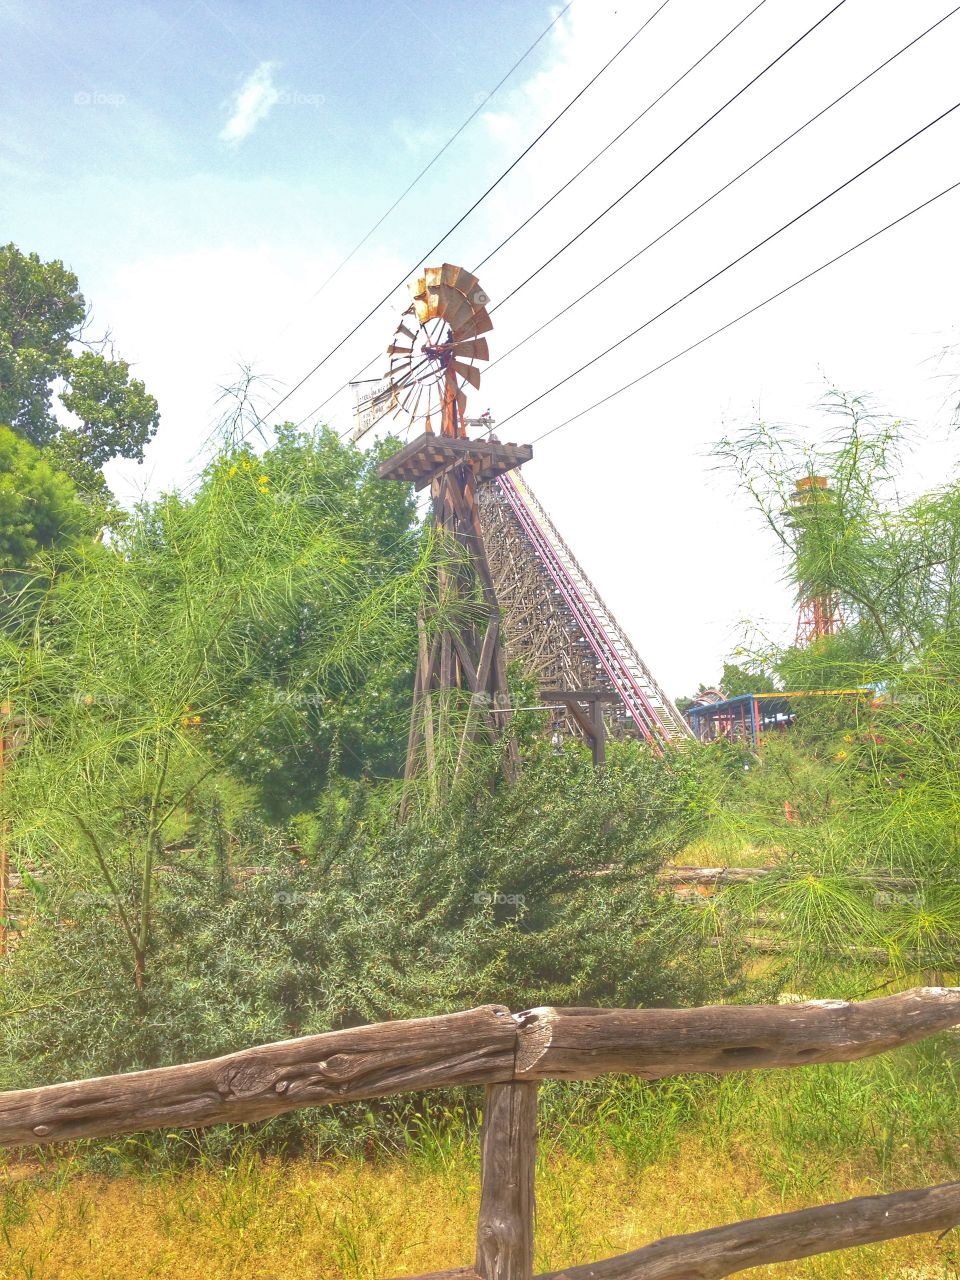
(436, 347)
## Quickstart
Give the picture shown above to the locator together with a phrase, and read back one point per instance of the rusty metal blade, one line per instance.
(460, 280)
(479, 322)
(467, 371)
(453, 306)
(425, 308)
(472, 349)
(408, 333)
(417, 286)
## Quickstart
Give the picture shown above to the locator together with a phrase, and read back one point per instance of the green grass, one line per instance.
(621, 1162)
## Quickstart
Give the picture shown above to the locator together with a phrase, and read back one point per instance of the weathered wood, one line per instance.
(420, 461)
(508, 1156)
(723, 1251)
(474, 1047)
(746, 875)
(576, 1044)
(458, 1273)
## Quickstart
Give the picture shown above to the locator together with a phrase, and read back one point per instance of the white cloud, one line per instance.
(251, 103)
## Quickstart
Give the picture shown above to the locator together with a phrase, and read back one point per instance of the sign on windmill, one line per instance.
(375, 398)
(461, 692)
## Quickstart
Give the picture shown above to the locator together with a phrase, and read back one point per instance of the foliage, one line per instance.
(39, 508)
(895, 566)
(866, 786)
(540, 893)
(352, 721)
(42, 321)
(143, 650)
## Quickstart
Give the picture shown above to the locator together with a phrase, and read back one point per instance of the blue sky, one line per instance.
(203, 167)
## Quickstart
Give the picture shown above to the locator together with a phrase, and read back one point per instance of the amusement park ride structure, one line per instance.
(512, 588)
(819, 614)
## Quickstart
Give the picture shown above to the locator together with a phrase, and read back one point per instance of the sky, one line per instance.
(205, 167)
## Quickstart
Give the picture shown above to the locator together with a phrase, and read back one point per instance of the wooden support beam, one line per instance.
(508, 1155)
(723, 1251)
(475, 1047)
(577, 1044)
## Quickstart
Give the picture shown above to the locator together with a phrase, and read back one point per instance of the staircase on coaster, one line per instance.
(555, 623)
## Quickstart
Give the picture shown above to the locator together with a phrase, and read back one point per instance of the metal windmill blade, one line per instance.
(434, 354)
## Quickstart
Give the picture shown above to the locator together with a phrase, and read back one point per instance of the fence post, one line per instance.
(508, 1153)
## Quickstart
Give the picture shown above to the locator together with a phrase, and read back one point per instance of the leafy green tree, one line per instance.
(866, 786)
(39, 506)
(147, 645)
(45, 356)
(356, 725)
(737, 680)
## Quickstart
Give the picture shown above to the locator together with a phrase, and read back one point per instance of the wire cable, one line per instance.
(720, 190)
(526, 151)
(446, 146)
(690, 136)
(751, 311)
(636, 120)
(513, 292)
(734, 262)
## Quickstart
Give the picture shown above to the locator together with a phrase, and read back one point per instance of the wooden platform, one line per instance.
(419, 461)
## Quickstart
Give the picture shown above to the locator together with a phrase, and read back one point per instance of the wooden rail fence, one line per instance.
(509, 1054)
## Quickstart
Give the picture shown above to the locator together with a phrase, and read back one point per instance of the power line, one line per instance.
(700, 127)
(720, 190)
(751, 311)
(542, 134)
(446, 146)
(636, 120)
(512, 293)
(734, 262)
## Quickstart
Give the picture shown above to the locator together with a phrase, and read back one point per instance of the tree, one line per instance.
(871, 781)
(355, 725)
(148, 644)
(46, 356)
(39, 507)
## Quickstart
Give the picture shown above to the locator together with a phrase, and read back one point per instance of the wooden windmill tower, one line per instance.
(461, 692)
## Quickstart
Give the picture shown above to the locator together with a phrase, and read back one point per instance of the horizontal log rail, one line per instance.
(479, 1046)
(782, 1237)
(717, 877)
(510, 1054)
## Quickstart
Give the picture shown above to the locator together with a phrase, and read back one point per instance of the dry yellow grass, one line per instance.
(264, 1219)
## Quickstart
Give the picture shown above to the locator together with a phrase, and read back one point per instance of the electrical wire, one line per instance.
(690, 136)
(636, 120)
(729, 102)
(734, 262)
(751, 311)
(720, 190)
(526, 151)
(446, 146)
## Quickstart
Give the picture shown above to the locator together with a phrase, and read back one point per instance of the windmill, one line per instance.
(460, 692)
